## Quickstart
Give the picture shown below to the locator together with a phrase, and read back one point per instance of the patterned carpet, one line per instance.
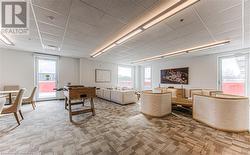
(114, 130)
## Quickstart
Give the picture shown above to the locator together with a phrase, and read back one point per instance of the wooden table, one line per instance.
(79, 93)
(182, 101)
(9, 92)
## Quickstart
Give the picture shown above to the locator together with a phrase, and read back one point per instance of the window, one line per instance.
(147, 78)
(125, 77)
(233, 74)
(46, 72)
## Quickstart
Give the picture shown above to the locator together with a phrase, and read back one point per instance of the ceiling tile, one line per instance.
(123, 10)
(50, 29)
(58, 6)
(52, 18)
(93, 22)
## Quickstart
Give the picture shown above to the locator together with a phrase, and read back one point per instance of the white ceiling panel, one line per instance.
(146, 3)
(85, 25)
(123, 10)
(51, 37)
(148, 36)
(33, 34)
(32, 25)
(230, 34)
(102, 30)
(58, 6)
(33, 45)
(53, 43)
(50, 29)
(212, 8)
(49, 17)
(188, 16)
(85, 13)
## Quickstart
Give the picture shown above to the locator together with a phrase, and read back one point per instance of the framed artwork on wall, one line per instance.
(102, 76)
(175, 76)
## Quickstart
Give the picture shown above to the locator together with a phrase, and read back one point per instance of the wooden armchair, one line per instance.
(15, 107)
(31, 99)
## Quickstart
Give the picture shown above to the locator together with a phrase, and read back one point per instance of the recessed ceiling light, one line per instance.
(51, 17)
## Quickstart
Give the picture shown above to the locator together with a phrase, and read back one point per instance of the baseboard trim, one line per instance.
(50, 100)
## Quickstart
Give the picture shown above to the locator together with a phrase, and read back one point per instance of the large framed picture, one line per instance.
(102, 76)
(175, 76)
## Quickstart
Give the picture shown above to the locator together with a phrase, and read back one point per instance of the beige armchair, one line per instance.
(2, 102)
(31, 99)
(223, 112)
(15, 107)
(156, 104)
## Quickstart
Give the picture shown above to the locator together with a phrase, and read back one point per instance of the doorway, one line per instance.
(46, 77)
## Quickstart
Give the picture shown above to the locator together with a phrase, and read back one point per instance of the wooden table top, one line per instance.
(9, 91)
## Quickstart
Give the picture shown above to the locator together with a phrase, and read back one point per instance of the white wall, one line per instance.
(138, 77)
(87, 73)
(17, 68)
(202, 71)
(68, 72)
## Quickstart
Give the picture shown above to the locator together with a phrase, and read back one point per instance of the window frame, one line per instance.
(145, 78)
(132, 75)
(38, 57)
(219, 70)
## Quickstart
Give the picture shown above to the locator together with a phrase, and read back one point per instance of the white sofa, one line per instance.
(223, 112)
(104, 93)
(123, 96)
(119, 96)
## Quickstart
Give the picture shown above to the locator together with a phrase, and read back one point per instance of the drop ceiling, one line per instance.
(79, 27)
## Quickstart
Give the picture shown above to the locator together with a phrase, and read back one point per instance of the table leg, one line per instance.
(66, 103)
(70, 111)
(92, 106)
(10, 98)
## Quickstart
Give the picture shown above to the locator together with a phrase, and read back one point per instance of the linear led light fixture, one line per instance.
(129, 36)
(173, 9)
(123, 39)
(189, 50)
(170, 13)
(6, 40)
(103, 50)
